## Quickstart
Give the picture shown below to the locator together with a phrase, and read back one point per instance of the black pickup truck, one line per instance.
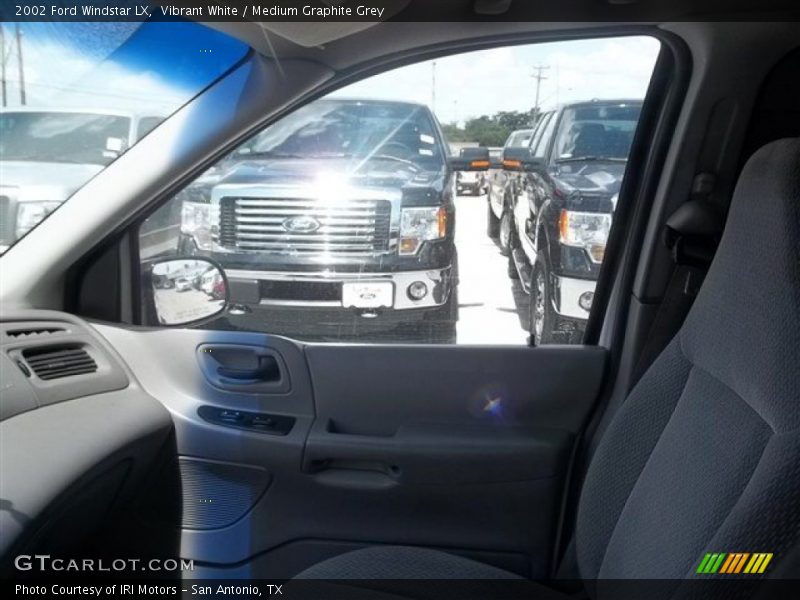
(335, 221)
(570, 179)
(501, 190)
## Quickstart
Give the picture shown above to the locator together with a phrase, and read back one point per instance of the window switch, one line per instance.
(230, 416)
(263, 423)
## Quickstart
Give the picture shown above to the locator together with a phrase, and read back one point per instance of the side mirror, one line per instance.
(471, 159)
(186, 290)
(516, 159)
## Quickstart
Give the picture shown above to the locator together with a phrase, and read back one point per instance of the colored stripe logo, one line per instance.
(734, 563)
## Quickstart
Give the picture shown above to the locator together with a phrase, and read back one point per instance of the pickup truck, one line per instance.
(569, 181)
(501, 189)
(35, 176)
(337, 220)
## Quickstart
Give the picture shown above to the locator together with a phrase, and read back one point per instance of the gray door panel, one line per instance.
(388, 385)
(462, 448)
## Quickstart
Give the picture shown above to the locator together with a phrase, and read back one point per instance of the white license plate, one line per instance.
(368, 294)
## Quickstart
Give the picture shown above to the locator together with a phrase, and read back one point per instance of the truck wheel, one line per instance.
(492, 222)
(542, 316)
(513, 244)
(506, 238)
(511, 267)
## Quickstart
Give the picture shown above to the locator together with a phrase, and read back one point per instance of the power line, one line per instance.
(539, 77)
(3, 64)
(433, 87)
(21, 67)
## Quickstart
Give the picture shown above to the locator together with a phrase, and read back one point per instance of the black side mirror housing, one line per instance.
(471, 159)
(517, 159)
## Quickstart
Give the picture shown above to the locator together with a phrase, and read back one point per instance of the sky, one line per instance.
(165, 63)
(484, 82)
(124, 66)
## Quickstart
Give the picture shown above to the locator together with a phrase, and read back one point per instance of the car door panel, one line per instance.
(464, 448)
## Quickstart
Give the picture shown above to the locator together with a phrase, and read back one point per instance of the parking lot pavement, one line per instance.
(493, 307)
(178, 307)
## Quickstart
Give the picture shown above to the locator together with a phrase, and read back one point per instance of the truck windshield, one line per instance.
(519, 139)
(63, 137)
(397, 132)
(84, 94)
(596, 132)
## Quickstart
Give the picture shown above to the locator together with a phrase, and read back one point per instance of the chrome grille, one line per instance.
(356, 227)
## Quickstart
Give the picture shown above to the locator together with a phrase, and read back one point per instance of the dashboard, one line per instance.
(79, 436)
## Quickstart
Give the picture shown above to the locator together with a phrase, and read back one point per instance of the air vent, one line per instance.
(34, 331)
(61, 361)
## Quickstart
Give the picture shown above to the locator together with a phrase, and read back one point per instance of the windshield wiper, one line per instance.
(570, 159)
(267, 154)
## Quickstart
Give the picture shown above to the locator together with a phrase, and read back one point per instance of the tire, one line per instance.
(542, 317)
(505, 237)
(511, 268)
(492, 222)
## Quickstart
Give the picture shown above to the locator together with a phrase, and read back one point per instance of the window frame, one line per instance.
(537, 133)
(677, 77)
(546, 138)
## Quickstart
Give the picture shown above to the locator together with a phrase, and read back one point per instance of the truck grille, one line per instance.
(304, 226)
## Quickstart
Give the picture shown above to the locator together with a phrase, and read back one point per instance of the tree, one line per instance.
(486, 131)
(490, 130)
(513, 120)
(454, 133)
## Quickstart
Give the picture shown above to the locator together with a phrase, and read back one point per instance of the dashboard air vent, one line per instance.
(54, 362)
(33, 332)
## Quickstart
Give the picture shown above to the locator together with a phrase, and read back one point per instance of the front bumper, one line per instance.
(469, 185)
(566, 296)
(324, 289)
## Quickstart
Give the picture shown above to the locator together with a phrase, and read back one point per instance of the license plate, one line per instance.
(368, 294)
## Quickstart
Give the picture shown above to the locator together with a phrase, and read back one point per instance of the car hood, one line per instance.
(594, 178)
(45, 180)
(302, 171)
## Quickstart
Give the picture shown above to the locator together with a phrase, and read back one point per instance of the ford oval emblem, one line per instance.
(301, 224)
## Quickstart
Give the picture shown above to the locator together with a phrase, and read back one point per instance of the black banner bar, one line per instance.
(423, 589)
(319, 11)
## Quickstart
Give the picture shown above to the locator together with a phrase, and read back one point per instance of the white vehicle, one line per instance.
(47, 154)
(183, 284)
(208, 280)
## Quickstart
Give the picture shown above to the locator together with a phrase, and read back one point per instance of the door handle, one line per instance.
(266, 370)
(243, 367)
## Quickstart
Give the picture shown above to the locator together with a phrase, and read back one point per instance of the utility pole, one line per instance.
(539, 77)
(433, 87)
(21, 67)
(3, 64)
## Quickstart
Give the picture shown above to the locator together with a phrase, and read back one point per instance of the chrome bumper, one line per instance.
(439, 282)
(566, 295)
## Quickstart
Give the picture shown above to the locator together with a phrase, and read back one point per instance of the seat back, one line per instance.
(704, 456)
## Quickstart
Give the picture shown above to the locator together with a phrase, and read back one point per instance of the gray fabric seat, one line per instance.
(704, 455)
(402, 562)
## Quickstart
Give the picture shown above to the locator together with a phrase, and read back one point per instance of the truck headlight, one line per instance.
(585, 230)
(29, 214)
(418, 225)
(199, 219)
